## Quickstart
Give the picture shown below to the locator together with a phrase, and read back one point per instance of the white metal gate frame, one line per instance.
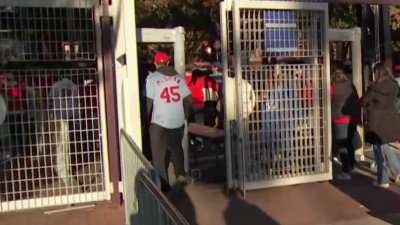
(175, 36)
(70, 199)
(354, 36)
(236, 6)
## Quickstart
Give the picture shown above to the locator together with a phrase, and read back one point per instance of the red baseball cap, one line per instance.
(161, 57)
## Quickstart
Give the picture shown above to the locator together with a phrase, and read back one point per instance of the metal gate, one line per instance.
(280, 115)
(51, 142)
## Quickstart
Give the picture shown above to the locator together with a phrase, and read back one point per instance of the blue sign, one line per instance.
(280, 32)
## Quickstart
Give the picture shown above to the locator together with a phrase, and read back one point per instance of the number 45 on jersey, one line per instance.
(171, 94)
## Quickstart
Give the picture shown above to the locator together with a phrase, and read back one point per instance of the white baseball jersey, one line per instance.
(167, 93)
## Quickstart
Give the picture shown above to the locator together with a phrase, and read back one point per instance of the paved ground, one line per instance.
(357, 202)
(99, 215)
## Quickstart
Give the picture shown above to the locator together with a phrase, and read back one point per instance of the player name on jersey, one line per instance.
(166, 79)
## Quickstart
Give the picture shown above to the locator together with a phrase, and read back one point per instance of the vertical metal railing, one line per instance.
(154, 207)
(143, 199)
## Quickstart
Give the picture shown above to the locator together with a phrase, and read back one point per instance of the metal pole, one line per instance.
(179, 50)
(107, 33)
(385, 36)
(224, 54)
(363, 20)
(357, 81)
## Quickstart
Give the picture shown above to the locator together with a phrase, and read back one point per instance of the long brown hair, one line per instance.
(339, 76)
(382, 72)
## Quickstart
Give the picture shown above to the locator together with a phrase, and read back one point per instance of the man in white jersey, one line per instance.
(168, 103)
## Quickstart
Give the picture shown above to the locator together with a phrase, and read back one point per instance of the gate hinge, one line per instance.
(111, 185)
(105, 2)
(120, 187)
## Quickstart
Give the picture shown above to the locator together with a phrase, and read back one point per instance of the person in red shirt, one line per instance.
(346, 114)
(205, 95)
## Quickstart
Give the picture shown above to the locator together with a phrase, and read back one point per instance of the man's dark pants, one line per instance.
(166, 144)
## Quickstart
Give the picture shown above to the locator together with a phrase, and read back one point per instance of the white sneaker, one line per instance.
(184, 180)
(385, 185)
(344, 176)
(336, 159)
(397, 179)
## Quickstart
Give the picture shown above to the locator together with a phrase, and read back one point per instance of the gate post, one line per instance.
(110, 100)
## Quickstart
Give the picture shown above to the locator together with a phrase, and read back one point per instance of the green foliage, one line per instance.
(395, 20)
(342, 16)
(345, 16)
(198, 17)
(395, 17)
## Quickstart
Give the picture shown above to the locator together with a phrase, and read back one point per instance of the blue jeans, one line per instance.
(384, 156)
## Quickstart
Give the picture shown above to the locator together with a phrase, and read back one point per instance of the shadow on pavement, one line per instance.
(240, 212)
(178, 196)
(380, 202)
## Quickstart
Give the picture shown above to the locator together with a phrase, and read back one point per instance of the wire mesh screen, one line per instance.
(41, 34)
(282, 67)
(285, 130)
(50, 140)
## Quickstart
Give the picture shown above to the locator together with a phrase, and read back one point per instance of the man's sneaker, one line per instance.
(183, 180)
(384, 185)
(353, 169)
(397, 179)
(336, 159)
(344, 176)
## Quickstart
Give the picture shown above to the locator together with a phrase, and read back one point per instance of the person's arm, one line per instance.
(218, 107)
(187, 106)
(149, 96)
(149, 105)
(332, 91)
(187, 100)
(366, 98)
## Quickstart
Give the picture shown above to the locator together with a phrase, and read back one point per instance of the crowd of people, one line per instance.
(172, 99)
(381, 122)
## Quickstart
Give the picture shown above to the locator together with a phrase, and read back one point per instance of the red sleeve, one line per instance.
(213, 84)
(188, 79)
(332, 90)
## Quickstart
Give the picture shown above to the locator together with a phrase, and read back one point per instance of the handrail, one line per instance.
(173, 214)
(136, 148)
(143, 199)
(141, 157)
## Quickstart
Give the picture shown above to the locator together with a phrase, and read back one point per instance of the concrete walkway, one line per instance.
(355, 202)
(103, 214)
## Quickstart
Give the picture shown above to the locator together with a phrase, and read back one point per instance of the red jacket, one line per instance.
(345, 119)
(204, 85)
